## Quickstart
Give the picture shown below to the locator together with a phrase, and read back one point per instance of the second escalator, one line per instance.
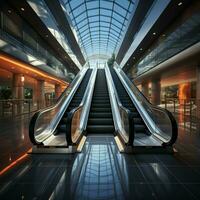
(139, 125)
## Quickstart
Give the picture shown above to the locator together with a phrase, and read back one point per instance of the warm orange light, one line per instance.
(26, 67)
(13, 163)
(183, 96)
(22, 78)
(184, 91)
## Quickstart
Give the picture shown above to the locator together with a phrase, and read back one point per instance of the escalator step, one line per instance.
(102, 105)
(100, 128)
(139, 128)
(74, 105)
(62, 128)
(138, 120)
(64, 120)
(135, 114)
(100, 115)
(107, 110)
(99, 121)
(101, 98)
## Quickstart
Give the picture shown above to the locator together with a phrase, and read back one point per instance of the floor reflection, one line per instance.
(99, 177)
(101, 172)
(92, 174)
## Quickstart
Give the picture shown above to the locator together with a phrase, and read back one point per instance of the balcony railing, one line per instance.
(16, 107)
(186, 111)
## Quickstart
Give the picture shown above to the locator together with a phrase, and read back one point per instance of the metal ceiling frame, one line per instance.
(92, 27)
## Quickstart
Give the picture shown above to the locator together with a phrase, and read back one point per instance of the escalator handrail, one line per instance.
(85, 104)
(69, 124)
(171, 117)
(116, 113)
(73, 86)
(174, 126)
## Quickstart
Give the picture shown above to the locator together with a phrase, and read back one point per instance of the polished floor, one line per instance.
(99, 172)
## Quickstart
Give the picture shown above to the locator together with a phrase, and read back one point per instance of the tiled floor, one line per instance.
(14, 139)
(100, 171)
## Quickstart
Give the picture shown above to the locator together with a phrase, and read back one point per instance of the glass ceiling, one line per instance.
(100, 24)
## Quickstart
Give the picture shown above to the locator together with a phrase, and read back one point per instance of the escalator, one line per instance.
(52, 126)
(140, 129)
(75, 102)
(144, 124)
(100, 119)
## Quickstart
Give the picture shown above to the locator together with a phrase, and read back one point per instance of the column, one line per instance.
(155, 92)
(18, 93)
(40, 94)
(145, 89)
(198, 92)
(58, 90)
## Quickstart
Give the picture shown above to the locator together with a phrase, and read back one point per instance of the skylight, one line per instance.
(100, 24)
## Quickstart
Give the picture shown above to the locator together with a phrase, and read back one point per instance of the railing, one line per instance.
(122, 117)
(186, 111)
(38, 52)
(78, 117)
(185, 35)
(45, 121)
(17, 107)
(180, 106)
(159, 121)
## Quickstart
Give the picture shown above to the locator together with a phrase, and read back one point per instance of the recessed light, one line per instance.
(9, 11)
(154, 33)
(134, 58)
(127, 64)
(46, 35)
(141, 49)
(163, 35)
(180, 3)
(22, 9)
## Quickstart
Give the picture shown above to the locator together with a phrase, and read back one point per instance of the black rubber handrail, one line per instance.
(69, 124)
(32, 129)
(131, 128)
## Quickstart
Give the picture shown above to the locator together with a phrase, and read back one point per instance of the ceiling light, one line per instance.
(133, 58)
(180, 3)
(154, 33)
(141, 49)
(9, 11)
(22, 9)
